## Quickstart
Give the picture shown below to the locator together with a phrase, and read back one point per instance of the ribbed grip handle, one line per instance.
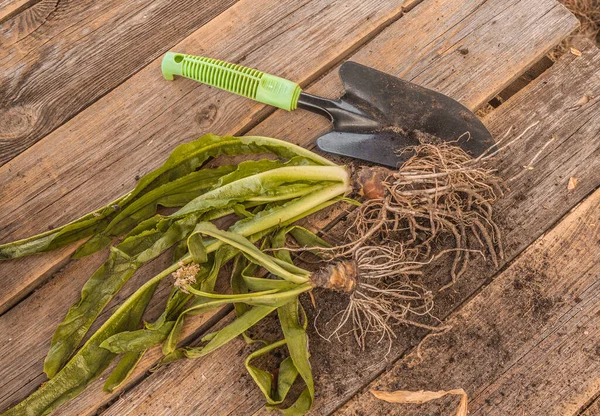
(247, 82)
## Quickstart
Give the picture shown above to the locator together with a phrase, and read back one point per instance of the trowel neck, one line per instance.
(319, 105)
(344, 114)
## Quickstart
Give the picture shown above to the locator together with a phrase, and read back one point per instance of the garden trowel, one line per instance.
(377, 117)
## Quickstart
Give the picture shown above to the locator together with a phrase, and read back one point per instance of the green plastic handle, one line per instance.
(247, 82)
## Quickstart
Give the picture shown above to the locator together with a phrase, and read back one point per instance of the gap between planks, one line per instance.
(592, 409)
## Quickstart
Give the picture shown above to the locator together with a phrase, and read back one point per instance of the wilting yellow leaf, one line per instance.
(575, 52)
(421, 396)
(572, 183)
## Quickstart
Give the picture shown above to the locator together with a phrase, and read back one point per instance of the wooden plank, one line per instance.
(130, 131)
(220, 384)
(9, 8)
(527, 344)
(309, 136)
(355, 22)
(59, 58)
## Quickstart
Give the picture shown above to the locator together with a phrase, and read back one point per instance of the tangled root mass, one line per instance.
(439, 202)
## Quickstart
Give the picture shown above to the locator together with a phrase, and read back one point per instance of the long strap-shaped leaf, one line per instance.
(256, 185)
(297, 343)
(125, 367)
(286, 374)
(89, 362)
(100, 289)
(172, 194)
(76, 230)
(178, 193)
(281, 269)
(184, 160)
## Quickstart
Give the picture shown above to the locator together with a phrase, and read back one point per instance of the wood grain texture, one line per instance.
(9, 8)
(58, 57)
(527, 344)
(226, 389)
(96, 156)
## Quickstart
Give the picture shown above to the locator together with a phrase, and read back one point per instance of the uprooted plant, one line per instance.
(439, 192)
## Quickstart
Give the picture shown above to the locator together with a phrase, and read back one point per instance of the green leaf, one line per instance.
(238, 286)
(178, 299)
(287, 272)
(307, 238)
(291, 211)
(297, 343)
(286, 375)
(89, 362)
(171, 194)
(96, 292)
(178, 193)
(203, 305)
(205, 279)
(262, 283)
(180, 251)
(254, 186)
(196, 248)
(136, 341)
(237, 327)
(123, 261)
(126, 365)
(229, 296)
(76, 230)
(241, 211)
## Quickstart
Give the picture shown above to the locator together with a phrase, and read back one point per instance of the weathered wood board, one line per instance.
(9, 8)
(57, 58)
(442, 57)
